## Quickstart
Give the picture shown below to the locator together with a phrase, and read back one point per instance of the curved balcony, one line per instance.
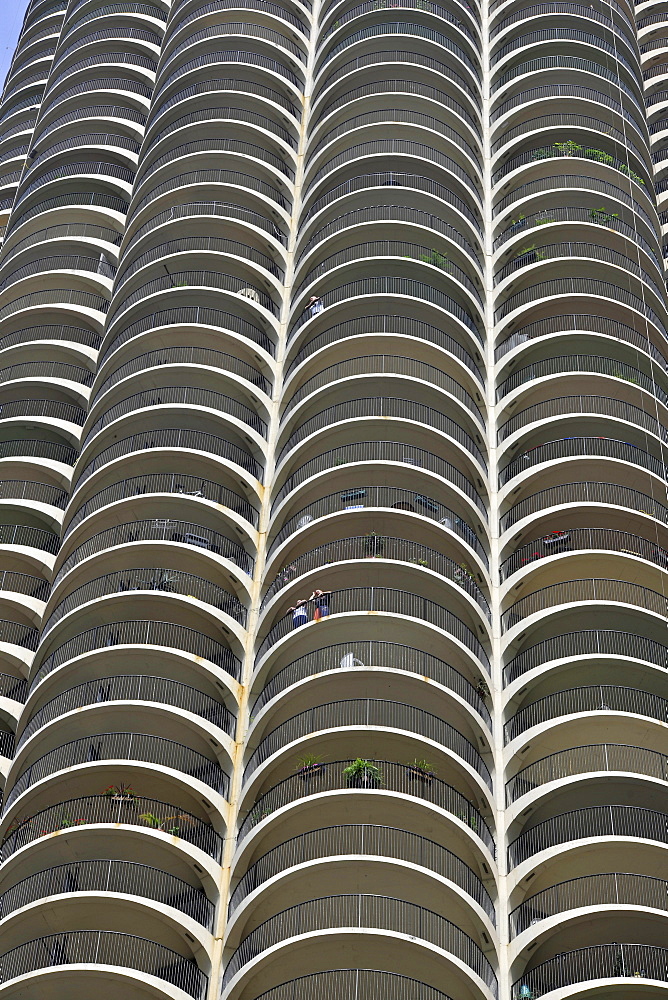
(124, 877)
(19, 635)
(271, 8)
(384, 498)
(48, 369)
(356, 654)
(14, 688)
(542, 154)
(587, 824)
(29, 537)
(364, 840)
(346, 982)
(94, 111)
(167, 482)
(92, 810)
(29, 448)
(362, 911)
(107, 949)
(60, 297)
(580, 447)
(211, 209)
(580, 540)
(578, 215)
(603, 494)
(395, 778)
(21, 583)
(7, 744)
(581, 364)
(66, 231)
(53, 410)
(164, 530)
(92, 199)
(132, 687)
(182, 438)
(600, 961)
(86, 168)
(381, 451)
(139, 633)
(579, 591)
(601, 757)
(384, 407)
(376, 546)
(383, 599)
(365, 712)
(594, 698)
(611, 889)
(122, 746)
(229, 116)
(205, 88)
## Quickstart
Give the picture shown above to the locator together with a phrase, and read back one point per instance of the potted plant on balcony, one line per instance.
(421, 770)
(543, 220)
(529, 255)
(568, 148)
(436, 259)
(362, 774)
(308, 765)
(120, 793)
(170, 824)
(517, 223)
(373, 545)
(602, 217)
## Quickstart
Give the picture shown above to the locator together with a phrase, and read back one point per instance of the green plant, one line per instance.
(544, 220)
(599, 156)
(420, 562)
(631, 173)
(119, 792)
(602, 216)
(421, 768)
(308, 763)
(518, 221)
(568, 148)
(531, 251)
(436, 259)
(362, 774)
(170, 824)
(482, 687)
(542, 154)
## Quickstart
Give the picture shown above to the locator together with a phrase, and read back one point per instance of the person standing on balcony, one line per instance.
(299, 614)
(321, 600)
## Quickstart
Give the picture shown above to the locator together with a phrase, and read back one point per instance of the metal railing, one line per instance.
(14, 688)
(122, 746)
(387, 497)
(392, 601)
(228, 114)
(587, 760)
(196, 244)
(564, 118)
(394, 178)
(383, 323)
(574, 213)
(206, 176)
(23, 583)
(243, 29)
(56, 296)
(104, 111)
(238, 55)
(580, 539)
(19, 635)
(406, 28)
(31, 448)
(376, 546)
(177, 395)
(381, 364)
(594, 698)
(587, 643)
(75, 335)
(25, 535)
(185, 356)
(381, 451)
(370, 407)
(360, 984)
(588, 824)
(589, 363)
(585, 492)
(20, 489)
(357, 653)
(105, 948)
(48, 369)
(154, 579)
(265, 6)
(158, 529)
(172, 437)
(552, 451)
(389, 248)
(368, 912)
(563, 61)
(366, 840)
(364, 713)
(7, 742)
(99, 168)
(50, 408)
(599, 961)
(163, 482)
(132, 687)
(125, 877)
(73, 230)
(371, 6)
(568, 322)
(413, 87)
(100, 199)
(190, 316)
(220, 209)
(580, 591)
(138, 633)
(562, 7)
(577, 407)
(94, 139)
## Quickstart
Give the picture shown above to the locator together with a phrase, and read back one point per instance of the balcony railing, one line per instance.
(25, 535)
(182, 438)
(219, 145)
(588, 824)
(229, 114)
(197, 244)
(107, 949)
(271, 8)
(612, 889)
(101, 199)
(178, 395)
(55, 296)
(163, 482)
(368, 912)
(587, 760)
(376, 546)
(579, 539)
(244, 57)
(573, 213)
(545, 153)
(207, 176)
(12, 687)
(122, 746)
(599, 961)
(563, 61)
(220, 209)
(52, 409)
(31, 448)
(561, 7)
(125, 877)
(383, 497)
(22, 583)
(383, 407)
(381, 451)
(133, 687)
(48, 369)
(95, 809)
(100, 168)
(139, 633)
(366, 840)
(579, 591)
(584, 492)
(19, 635)
(158, 529)
(594, 698)
(7, 744)
(571, 447)
(156, 579)
(277, 40)
(581, 363)
(383, 599)
(364, 713)
(360, 983)
(382, 323)
(64, 231)
(357, 653)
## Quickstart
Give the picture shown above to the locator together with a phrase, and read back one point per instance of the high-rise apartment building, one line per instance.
(334, 528)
